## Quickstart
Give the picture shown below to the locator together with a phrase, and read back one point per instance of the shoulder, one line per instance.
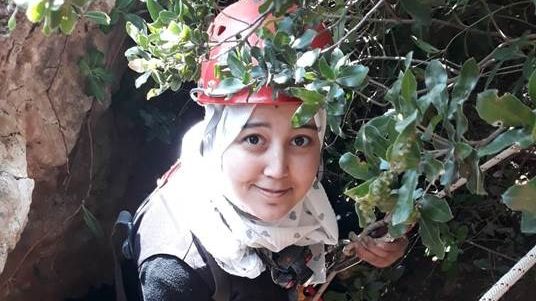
(166, 277)
(158, 229)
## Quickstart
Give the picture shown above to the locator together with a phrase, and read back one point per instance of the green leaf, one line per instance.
(372, 143)
(430, 236)
(409, 93)
(304, 40)
(308, 58)
(506, 110)
(462, 150)
(352, 76)
(470, 169)
(503, 141)
(359, 191)
(424, 46)
(508, 53)
(142, 79)
(303, 114)
(532, 86)
(154, 9)
(68, 20)
(404, 204)
(282, 77)
(528, 222)
(464, 85)
(427, 136)
(12, 22)
(450, 169)
(154, 92)
(420, 10)
(338, 59)
(405, 152)
(266, 6)
(79, 3)
(92, 223)
(36, 11)
(521, 197)
(307, 96)
(235, 65)
(432, 168)
(95, 89)
(435, 209)
(121, 4)
(325, 69)
(435, 77)
(139, 65)
(281, 40)
(365, 217)
(98, 17)
(399, 230)
(228, 86)
(137, 21)
(462, 123)
(354, 167)
(334, 123)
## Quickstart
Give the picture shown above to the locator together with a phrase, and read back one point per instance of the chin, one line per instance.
(271, 214)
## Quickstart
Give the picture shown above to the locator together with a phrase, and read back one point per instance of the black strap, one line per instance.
(125, 224)
(222, 281)
(124, 220)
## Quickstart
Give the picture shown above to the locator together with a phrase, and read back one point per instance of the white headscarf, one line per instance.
(230, 236)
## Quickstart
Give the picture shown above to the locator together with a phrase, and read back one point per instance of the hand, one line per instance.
(377, 251)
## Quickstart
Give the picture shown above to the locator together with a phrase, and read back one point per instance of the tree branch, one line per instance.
(351, 31)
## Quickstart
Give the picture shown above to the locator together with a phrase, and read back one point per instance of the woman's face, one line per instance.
(270, 166)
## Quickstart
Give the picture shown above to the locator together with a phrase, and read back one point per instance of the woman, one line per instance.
(244, 216)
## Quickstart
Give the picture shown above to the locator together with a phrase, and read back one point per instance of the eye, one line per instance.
(252, 139)
(301, 141)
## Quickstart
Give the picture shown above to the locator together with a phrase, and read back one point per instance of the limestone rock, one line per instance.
(46, 139)
(15, 200)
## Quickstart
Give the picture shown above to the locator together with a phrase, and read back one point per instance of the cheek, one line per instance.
(238, 169)
(306, 168)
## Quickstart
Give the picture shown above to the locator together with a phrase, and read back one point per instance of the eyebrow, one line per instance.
(267, 125)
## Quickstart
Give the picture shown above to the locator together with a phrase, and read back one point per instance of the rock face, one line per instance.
(55, 159)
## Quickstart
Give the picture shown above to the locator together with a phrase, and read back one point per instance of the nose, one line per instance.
(277, 162)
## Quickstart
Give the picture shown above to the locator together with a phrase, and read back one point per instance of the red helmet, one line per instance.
(237, 18)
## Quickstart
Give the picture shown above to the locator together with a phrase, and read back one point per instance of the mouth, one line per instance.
(272, 193)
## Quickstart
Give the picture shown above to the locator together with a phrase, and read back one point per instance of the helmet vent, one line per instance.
(221, 29)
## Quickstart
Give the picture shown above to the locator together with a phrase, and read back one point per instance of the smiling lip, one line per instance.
(272, 193)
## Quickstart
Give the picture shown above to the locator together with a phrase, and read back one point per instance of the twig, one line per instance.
(372, 100)
(351, 31)
(252, 27)
(378, 84)
(435, 136)
(490, 250)
(437, 21)
(503, 36)
(489, 58)
(488, 139)
(484, 18)
(400, 58)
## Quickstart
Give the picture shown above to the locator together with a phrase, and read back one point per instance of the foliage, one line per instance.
(168, 49)
(58, 14)
(97, 77)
